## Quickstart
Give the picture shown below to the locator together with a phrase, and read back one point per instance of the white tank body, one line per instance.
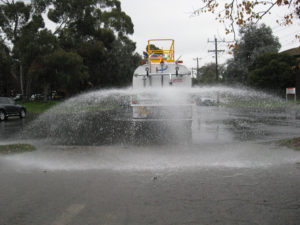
(161, 87)
(161, 77)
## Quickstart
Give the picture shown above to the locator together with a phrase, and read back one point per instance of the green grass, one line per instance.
(39, 106)
(84, 108)
(293, 143)
(16, 148)
(260, 104)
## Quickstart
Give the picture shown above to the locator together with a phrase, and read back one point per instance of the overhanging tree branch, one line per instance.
(239, 13)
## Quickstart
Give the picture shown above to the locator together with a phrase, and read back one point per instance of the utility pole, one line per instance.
(197, 71)
(192, 71)
(216, 51)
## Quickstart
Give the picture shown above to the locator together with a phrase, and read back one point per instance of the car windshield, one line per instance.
(6, 100)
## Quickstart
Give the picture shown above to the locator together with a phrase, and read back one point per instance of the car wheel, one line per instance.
(22, 113)
(2, 115)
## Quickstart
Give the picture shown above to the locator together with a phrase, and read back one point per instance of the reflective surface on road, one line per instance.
(221, 137)
(231, 171)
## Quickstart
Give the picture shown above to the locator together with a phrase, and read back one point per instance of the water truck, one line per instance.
(161, 86)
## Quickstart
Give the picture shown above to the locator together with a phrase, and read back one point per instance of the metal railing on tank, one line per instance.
(155, 55)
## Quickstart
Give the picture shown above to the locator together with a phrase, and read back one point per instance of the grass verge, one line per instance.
(293, 143)
(16, 148)
(39, 106)
(260, 104)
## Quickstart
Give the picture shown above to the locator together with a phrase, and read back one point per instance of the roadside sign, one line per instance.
(291, 91)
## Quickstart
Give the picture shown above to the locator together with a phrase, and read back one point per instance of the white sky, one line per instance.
(171, 19)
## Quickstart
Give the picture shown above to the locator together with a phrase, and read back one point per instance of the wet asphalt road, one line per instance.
(233, 173)
(206, 196)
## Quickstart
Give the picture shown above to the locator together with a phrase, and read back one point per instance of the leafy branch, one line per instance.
(240, 13)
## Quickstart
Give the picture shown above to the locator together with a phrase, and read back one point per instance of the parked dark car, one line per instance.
(9, 108)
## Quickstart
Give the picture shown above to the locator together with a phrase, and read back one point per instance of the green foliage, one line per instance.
(14, 16)
(152, 47)
(117, 67)
(118, 20)
(89, 47)
(65, 70)
(40, 6)
(273, 71)
(32, 47)
(39, 106)
(293, 143)
(255, 40)
(19, 23)
(87, 18)
(236, 72)
(207, 73)
(5, 74)
(97, 31)
(16, 148)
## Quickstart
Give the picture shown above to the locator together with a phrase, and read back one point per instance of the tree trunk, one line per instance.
(46, 91)
(28, 88)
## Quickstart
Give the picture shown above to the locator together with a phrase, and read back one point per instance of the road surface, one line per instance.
(235, 172)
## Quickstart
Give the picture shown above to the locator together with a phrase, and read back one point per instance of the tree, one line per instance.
(97, 30)
(19, 20)
(273, 72)
(235, 72)
(5, 69)
(119, 65)
(90, 46)
(255, 40)
(241, 13)
(64, 70)
(28, 47)
(207, 73)
(52, 67)
(43, 73)
(152, 47)
(13, 17)
(88, 17)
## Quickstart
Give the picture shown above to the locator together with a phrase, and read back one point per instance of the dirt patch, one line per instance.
(16, 148)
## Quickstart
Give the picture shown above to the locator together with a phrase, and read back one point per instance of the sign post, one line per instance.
(291, 91)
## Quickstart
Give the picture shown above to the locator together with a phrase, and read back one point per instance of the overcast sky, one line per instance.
(171, 19)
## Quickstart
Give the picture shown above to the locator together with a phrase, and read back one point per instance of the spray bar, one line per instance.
(159, 74)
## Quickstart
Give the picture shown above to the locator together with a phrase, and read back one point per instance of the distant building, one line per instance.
(296, 53)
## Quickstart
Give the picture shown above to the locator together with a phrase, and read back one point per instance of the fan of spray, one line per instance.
(105, 116)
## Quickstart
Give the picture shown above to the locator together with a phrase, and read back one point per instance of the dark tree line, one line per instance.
(88, 48)
(256, 62)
